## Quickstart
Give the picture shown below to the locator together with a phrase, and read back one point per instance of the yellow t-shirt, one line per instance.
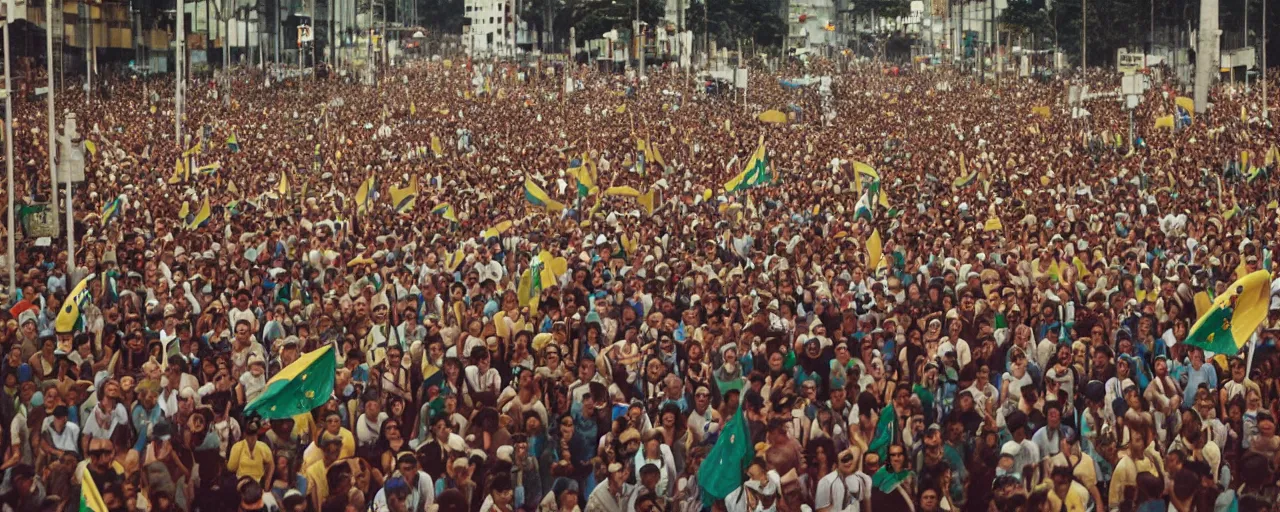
(251, 463)
(318, 478)
(313, 453)
(304, 424)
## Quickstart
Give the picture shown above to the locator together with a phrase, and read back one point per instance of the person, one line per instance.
(615, 494)
(841, 489)
(500, 497)
(393, 497)
(250, 458)
(23, 491)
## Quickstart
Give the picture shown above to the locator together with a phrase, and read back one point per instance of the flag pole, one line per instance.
(1253, 345)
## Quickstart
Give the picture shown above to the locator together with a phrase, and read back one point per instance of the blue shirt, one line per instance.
(1194, 377)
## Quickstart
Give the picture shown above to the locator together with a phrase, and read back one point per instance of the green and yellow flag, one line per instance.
(1233, 316)
(71, 316)
(298, 388)
(722, 471)
(365, 193)
(445, 210)
(90, 497)
(403, 199)
(538, 197)
(756, 173)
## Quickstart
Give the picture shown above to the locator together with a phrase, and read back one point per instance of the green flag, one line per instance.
(722, 471)
(298, 388)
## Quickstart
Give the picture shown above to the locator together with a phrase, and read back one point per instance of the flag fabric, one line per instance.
(1165, 122)
(71, 317)
(756, 172)
(875, 250)
(283, 189)
(436, 148)
(445, 210)
(91, 147)
(403, 199)
(367, 191)
(622, 191)
(578, 170)
(1042, 111)
(772, 117)
(90, 497)
(497, 230)
(180, 172)
(202, 216)
(1186, 104)
(110, 211)
(1233, 316)
(233, 143)
(184, 211)
(864, 208)
(298, 388)
(538, 197)
(722, 471)
(1273, 154)
(209, 169)
(647, 201)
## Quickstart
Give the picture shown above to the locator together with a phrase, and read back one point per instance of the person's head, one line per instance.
(1061, 476)
(100, 453)
(897, 458)
(500, 489)
(396, 490)
(23, 478)
(929, 498)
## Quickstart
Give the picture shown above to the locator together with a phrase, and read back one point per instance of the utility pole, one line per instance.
(179, 49)
(8, 159)
(1207, 58)
(1084, 36)
(1246, 41)
(70, 158)
(53, 149)
(639, 35)
(1265, 101)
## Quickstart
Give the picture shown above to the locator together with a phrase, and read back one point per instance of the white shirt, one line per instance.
(489, 381)
(491, 270)
(67, 441)
(839, 493)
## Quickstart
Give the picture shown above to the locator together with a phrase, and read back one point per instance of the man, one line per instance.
(1048, 437)
(840, 490)
(1131, 463)
(393, 497)
(615, 495)
(58, 435)
(1067, 494)
(24, 491)
(784, 456)
(501, 496)
(422, 491)
(316, 472)
(649, 476)
(1196, 374)
(333, 427)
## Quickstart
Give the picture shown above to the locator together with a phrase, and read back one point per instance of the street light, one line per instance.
(8, 151)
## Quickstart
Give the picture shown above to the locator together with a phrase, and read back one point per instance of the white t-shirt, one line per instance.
(840, 493)
(68, 440)
(367, 430)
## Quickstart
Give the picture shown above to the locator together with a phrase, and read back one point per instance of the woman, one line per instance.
(893, 485)
(391, 442)
(676, 435)
(286, 478)
(820, 457)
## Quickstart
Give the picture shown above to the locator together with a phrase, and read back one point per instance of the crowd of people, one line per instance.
(1001, 330)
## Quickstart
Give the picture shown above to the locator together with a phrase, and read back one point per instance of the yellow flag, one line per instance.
(436, 148)
(1272, 155)
(184, 210)
(1244, 116)
(646, 201)
(1042, 111)
(1164, 122)
(284, 184)
(875, 250)
(413, 108)
(93, 148)
(1187, 104)
(180, 173)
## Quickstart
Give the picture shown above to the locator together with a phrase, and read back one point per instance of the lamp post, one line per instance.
(8, 154)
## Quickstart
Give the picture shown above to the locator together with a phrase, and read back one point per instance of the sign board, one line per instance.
(1129, 63)
(740, 78)
(38, 220)
(305, 35)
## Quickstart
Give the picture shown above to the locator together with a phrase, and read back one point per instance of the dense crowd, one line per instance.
(1001, 332)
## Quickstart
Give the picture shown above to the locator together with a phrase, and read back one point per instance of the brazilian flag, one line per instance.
(722, 472)
(298, 388)
(1233, 316)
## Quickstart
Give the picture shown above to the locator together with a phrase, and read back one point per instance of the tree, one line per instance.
(730, 21)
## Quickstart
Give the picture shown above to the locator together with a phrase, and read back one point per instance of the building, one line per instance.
(488, 28)
(811, 24)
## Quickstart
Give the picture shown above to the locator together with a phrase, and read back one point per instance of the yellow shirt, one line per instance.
(318, 479)
(313, 453)
(1077, 499)
(304, 424)
(251, 463)
(1126, 475)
